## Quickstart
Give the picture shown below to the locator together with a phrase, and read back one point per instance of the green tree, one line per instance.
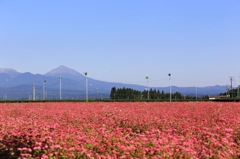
(113, 93)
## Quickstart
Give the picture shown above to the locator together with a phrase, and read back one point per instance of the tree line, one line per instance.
(232, 93)
(128, 93)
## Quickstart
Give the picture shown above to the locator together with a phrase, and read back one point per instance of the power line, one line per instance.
(74, 83)
(231, 79)
(52, 85)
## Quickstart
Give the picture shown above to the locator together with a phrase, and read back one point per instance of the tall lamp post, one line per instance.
(60, 80)
(44, 89)
(238, 91)
(33, 92)
(86, 86)
(196, 92)
(170, 87)
(147, 87)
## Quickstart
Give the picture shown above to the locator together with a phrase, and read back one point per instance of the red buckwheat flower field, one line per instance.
(120, 130)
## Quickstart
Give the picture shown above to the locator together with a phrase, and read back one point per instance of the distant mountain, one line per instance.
(38, 79)
(65, 72)
(19, 85)
(9, 71)
(4, 78)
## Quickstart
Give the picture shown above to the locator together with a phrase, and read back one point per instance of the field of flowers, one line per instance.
(120, 130)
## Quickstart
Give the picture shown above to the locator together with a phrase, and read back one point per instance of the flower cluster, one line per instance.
(120, 130)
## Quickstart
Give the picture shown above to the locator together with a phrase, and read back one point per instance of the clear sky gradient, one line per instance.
(124, 41)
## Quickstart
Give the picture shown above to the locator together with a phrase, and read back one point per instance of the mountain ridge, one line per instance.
(62, 69)
(9, 71)
(74, 83)
(65, 72)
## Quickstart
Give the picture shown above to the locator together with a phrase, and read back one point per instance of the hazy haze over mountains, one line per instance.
(19, 85)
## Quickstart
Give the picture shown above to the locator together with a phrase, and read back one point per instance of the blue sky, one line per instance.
(198, 42)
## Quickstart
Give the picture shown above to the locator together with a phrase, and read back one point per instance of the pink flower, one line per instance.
(228, 130)
(37, 148)
(71, 149)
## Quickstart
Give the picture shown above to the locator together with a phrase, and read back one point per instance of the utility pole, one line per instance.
(170, 87)
(196, 92)
(33, 92)
(5, 97)
(227, 91)
(147, 87)
(231, 78)
(238, 90)
(86, 87)
(46, 95)
(60, 79)
(44, 89)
